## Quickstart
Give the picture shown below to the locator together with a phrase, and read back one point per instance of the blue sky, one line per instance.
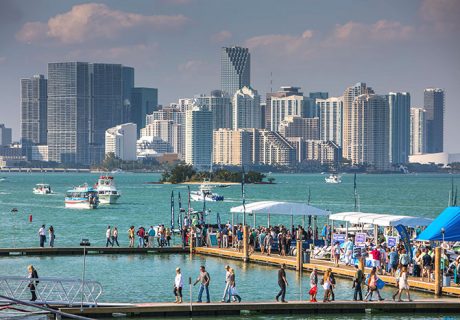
(175, 45)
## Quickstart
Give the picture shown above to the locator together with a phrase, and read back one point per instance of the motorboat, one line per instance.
(205, 194)
(333, 178)
(107, 191)
(82, 197)
(42, 188)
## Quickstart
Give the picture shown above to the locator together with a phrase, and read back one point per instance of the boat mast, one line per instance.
(355, 191)
(172, 210)
(179, 216)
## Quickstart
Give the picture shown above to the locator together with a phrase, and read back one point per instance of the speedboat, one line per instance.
(42, 188)
(205, 194)
(107, 191)
(333, 178)
(82, 197)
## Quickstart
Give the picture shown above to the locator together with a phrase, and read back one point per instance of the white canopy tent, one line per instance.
(376, 219)
(279, 208)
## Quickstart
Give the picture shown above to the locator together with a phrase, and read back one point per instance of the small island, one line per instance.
(183, 173)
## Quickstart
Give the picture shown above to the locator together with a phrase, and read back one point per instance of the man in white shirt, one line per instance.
(108, 234)
(42, 235)
(227, 285)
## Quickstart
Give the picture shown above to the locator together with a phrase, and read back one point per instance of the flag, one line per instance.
(172, 210)
(355, 192)
(218, 221)
(405, 238)
(243, 177)
(179, 216)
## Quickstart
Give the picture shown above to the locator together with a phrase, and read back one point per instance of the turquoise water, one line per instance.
(138, 278)
(147, 204)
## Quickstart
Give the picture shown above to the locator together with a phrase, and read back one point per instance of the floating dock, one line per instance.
(439, 306)
(321, 265)
(89, 250)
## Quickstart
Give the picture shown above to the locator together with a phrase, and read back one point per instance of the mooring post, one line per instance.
(299, 256)
(437, 272)
(245, 243)
(191, 241)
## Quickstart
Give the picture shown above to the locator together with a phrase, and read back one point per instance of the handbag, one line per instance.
(233, 291)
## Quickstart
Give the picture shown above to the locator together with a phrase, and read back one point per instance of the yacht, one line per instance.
(81, 197)
(107, 191)
(42, 188)
(333, 178)
(205, 193)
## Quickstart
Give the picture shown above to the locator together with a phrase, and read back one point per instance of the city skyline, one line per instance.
(313, 53)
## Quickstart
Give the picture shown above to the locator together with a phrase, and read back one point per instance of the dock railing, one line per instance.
(52, 291)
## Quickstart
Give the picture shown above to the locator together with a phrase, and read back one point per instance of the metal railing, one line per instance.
(50, 290)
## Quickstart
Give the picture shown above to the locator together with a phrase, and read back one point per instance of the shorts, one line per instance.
(376, 263)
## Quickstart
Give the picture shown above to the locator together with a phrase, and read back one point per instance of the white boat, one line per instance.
(42, 188)
(333, 178)
(107, 191)
(81, 197)
(205, 194)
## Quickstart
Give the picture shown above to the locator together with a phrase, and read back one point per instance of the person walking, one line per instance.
(108, 236)
(358, 279)
(204, 278)
(115, 237)
(42, 236)
(372, 285)
(131, 236)
(327, 285)
(178, 284)
(337, 250)
(349, 246)
(313, 285)
(233, 292)
(227, 284)
(140, 234)
(51, 235)
(151, 234)
(403, 285)
(283, 283)
(33, 275)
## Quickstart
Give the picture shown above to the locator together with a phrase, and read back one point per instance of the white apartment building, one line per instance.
(121, 140)
(198, 137)
(331, 119)
(247, 112)
(418, 131)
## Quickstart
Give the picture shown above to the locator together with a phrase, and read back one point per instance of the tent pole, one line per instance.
(376, 233)
(268, 222)
(346, 229)
(254, 220)
(292, 222)
(303, 222)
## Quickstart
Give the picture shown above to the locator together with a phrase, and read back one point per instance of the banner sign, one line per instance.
(392, 241)
(360, 238)
(338, 237)
(405, 238)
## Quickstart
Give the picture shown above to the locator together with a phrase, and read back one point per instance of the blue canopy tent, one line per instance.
(449, 220)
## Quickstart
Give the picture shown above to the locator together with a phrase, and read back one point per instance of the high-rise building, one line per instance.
(198, 137)
(143, 102)
(5, 135)
(33, 112)
(233, 147)
(350, 116)
(399, 104)
(128, 85)
(121, 141)
(434, 106)
(369, 142)
(312, 108)
(235, 69)
(295, 126)
(324, 152)
(246, 109)
(69, 112)
(331, 119)
(271, 148)
(289, 101)
(169, 131)
(220, 104)
(417, 131)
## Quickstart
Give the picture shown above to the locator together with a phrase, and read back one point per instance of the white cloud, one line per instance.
(191, 66)
(382, 30)
(221, 36)
(442, 14)
(95, 21)
(282, 43)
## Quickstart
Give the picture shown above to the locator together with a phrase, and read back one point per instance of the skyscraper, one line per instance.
(5, 135)
(143, 102)
(399, 104)
(121, 141)
(417, 131)
(69, 107)
(198, 137)
(295, 126)
(246, 109)
(235, 69)
(434, 106)
(33, 112)
(349, 116)
(220, 103)
(288, 101)
(128, 85)
(369, 142)
(331, 119)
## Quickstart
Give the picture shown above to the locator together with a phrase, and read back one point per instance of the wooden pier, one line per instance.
(322, 265)
(89, 250)
(440, 306)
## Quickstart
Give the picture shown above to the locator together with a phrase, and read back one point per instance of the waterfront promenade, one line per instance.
(440, 306)
(56, 251)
